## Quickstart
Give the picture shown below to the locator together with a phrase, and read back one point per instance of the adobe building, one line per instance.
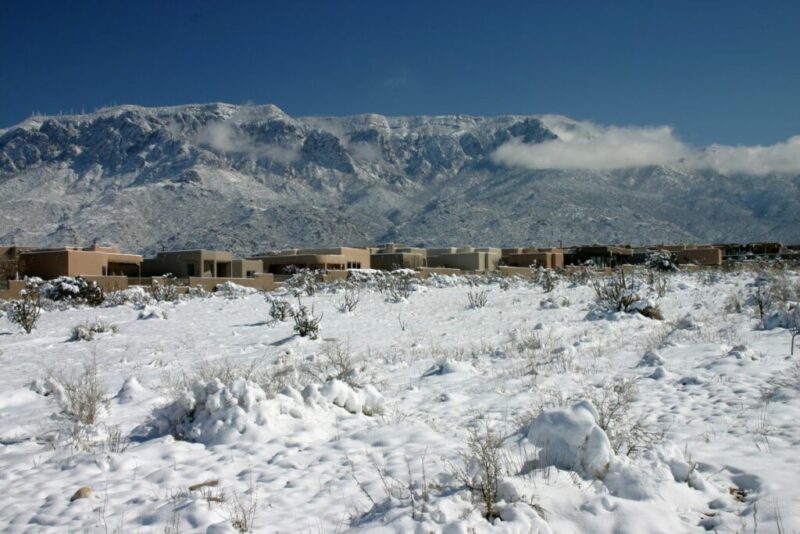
(548, 258)
(598, 255)
(765, 248)
(335, 259)
(391, 256)
(699, 255)
(200, 263)
(72, 261)
(465, 258)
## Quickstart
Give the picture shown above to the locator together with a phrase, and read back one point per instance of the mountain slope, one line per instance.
(253, 178)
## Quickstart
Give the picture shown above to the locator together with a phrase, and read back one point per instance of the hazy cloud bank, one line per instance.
(583, 145)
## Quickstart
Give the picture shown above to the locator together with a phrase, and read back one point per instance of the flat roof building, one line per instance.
(200, 263)
(337, 258)
(72, 261)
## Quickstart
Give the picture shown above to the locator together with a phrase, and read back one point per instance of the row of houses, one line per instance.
(114, 269)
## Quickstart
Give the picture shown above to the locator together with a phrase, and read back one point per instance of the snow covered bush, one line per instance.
(661, 261)
(136, 295)
(72, 290)
(548, 279)
(87, 330)
(304, 281)
(25, 311)
(279, 309)
(570, 438)
(306, 323)
(400, 285)
(352, 295)
(208, 411)
(165, 289)
(152, 312)
(233, 291)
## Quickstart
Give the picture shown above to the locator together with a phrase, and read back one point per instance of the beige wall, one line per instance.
(355, 258)
(699, 256)
(405, 260)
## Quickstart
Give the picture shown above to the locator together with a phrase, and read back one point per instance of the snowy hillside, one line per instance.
(597, 422)
(250, 178)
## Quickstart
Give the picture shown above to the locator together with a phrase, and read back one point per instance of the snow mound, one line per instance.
(449, 366)
(152, 312)
(659, 373)
(131, 391)
(232, 291)
(651, 358)
(569, 438)
(364, 400)
(213, 413)
(787, 316)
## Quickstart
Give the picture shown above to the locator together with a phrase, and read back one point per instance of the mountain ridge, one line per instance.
(250, 178)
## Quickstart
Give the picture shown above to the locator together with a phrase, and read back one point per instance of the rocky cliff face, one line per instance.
(253, 178)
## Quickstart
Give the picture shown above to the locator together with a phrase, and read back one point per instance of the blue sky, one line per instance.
(725, 72)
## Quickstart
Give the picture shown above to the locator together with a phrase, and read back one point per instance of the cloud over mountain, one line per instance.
(588, 146)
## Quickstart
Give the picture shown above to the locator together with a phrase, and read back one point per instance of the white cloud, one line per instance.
(225, 137)
(583, 145)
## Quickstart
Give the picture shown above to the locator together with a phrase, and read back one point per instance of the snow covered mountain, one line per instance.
(252, 178)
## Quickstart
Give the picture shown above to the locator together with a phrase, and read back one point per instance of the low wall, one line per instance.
(14, 287)
(426, 272)
(263, 282)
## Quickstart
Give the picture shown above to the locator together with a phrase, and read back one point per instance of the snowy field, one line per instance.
(537, 410)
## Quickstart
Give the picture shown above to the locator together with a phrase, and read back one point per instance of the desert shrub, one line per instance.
(579, 276)
(483, 465)
(401, 284)
(613, 400)
(733, 304)
(224, 370)
(306, 323)
(80, 394)
(87, 330)
(352, 295)
(477, 299)
(165, 289)
(615, 292)
(25, 312)
(279, 309)
(336, 362)
(548, 279)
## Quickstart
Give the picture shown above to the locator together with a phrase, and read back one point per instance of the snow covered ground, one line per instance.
(706, 403)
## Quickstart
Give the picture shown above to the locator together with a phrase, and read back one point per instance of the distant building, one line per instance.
(200, 263)
(548, 258)
(698, 255)
(72, 261)
(391, 256)
(338, 258)
(465, 258)
(598, 255)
